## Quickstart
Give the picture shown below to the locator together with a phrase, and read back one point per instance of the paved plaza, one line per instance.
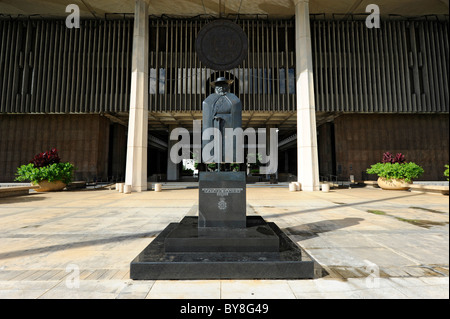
(367, 242)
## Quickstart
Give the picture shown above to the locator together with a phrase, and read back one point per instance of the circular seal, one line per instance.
(222, 204)
(221, 45)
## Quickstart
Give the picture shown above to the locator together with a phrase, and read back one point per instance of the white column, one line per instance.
(136, 168)
(307, 156)
(172, 168)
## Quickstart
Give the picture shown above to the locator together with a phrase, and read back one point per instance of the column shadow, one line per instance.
(22, 198)
(315, 209)
(66, 246)
(311, 230)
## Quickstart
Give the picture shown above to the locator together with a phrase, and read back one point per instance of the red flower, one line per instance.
(46, 158)
(389, 158)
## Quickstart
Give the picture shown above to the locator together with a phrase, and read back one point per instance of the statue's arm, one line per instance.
(236, 112)
(207, 114)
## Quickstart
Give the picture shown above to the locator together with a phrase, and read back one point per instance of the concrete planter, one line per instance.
(120, 187)
(325, 187)
(46, 186)
(127, 189)
(292, 187)
(393, 184)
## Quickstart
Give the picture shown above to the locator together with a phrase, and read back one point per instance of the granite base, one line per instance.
(289, 262)
(257, 237)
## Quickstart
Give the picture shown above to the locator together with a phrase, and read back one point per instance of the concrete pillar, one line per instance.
(268, 151)
(173, 171)
(307, 156)
(136, 168)
(158, 162)
(286, 161)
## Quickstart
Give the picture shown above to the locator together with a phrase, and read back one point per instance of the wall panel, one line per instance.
(48, 68)
(361, 141)
(79, 139)
(400, 68)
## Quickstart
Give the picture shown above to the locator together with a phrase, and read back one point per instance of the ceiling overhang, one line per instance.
(190, 8)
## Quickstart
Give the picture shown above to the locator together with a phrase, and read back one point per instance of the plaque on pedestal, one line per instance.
(222, 200)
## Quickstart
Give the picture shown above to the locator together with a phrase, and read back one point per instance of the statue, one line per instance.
(221, 110)
(222, 242)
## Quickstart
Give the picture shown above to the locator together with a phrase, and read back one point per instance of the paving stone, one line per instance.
(87, 289)
(256, 289)
(135, 290)
(52, 274)
(102, 231)
(24, 289)
(187, 289)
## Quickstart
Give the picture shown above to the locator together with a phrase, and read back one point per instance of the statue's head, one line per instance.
(221, 85)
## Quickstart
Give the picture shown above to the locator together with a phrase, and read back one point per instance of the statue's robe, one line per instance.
(221, 112)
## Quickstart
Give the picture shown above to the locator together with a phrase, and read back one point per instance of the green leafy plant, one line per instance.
(234, 167)
(446, 173)
(46, 166)
(187, 172)
(54, 172)
(406, 171)
(396, 167)
(254, 162)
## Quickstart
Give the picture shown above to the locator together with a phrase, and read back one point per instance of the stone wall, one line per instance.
(79, 139)
(361, 140)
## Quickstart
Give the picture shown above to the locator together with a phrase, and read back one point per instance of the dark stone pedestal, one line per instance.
(165, 259)
(257, 237)
(222, 199)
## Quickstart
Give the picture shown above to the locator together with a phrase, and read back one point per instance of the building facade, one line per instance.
(107, 94)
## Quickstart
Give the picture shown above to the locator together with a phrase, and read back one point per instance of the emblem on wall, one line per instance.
(221, 45)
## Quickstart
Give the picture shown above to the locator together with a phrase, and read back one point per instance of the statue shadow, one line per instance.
(311, 230)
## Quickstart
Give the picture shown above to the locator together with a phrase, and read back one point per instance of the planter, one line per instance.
(119, 187)
(46, 186)
(292, 187)
(393, 184)
(325, 187)
(127, 189)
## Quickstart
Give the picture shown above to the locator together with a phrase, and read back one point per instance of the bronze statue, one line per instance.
(221, 110)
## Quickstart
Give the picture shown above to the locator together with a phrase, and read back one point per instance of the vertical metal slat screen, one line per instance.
(400, 68)
(179, 82)
(48, 68)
